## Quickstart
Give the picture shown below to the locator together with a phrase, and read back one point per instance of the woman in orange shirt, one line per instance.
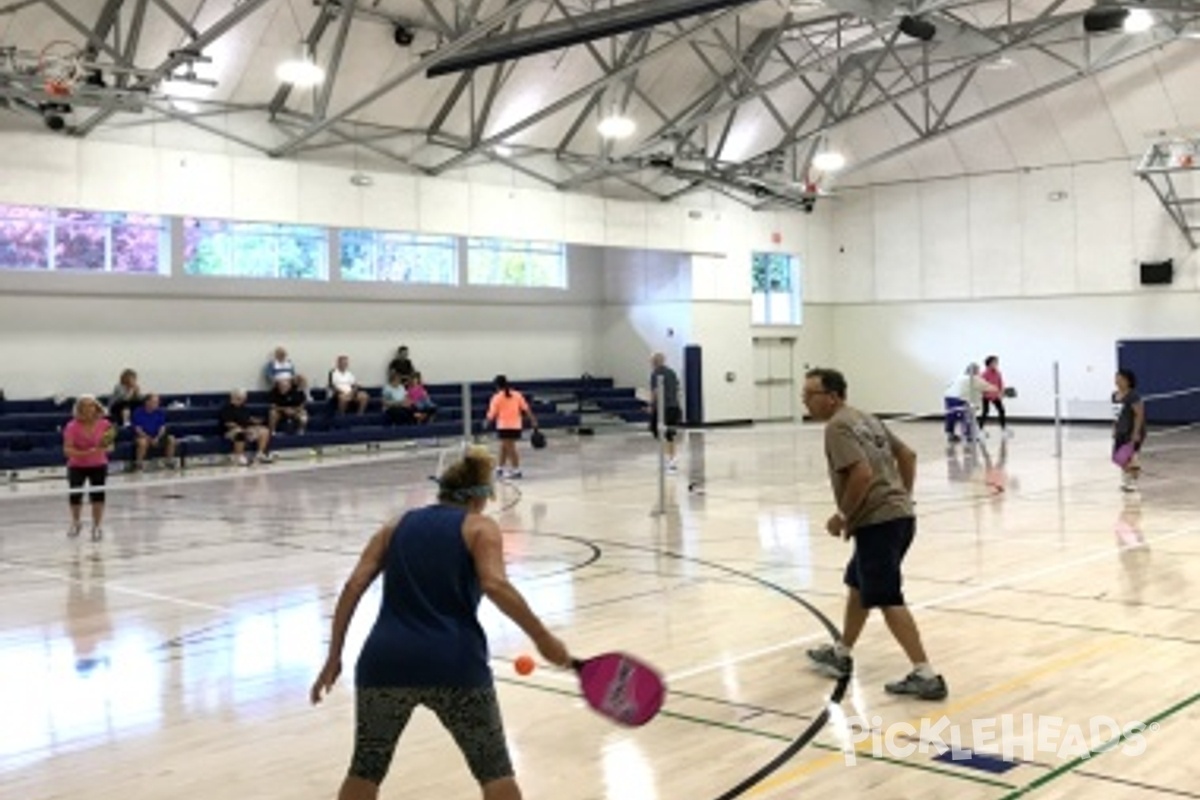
(506, 411)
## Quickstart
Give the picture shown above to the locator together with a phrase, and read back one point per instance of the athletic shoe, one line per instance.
(829, 663)
(97, 533)
(925, 688)
(74, 530)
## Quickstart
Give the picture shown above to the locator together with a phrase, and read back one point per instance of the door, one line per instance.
(774, 379)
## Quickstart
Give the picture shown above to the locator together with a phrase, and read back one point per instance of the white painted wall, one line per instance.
(928, 276)
(646, 310)
(634, 286)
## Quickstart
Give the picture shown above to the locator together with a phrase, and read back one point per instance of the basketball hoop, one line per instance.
(60, 68)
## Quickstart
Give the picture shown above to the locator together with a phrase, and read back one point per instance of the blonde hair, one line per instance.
(82, 401)
(467, 478)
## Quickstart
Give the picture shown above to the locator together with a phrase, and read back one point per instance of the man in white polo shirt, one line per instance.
(345, 388)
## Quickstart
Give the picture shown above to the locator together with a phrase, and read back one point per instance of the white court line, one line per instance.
(975, 590)
(166, 598)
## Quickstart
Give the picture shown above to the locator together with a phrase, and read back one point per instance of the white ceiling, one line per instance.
(1109, 115)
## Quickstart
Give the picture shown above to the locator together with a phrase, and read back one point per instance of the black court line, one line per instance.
(1066, 625)
(840, 686)
(1137, 784)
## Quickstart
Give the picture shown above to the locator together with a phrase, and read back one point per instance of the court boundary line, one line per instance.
(1100, 749)
(948, 598)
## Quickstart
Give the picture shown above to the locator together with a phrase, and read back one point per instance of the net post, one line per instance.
(660, 415)
(1057, 414)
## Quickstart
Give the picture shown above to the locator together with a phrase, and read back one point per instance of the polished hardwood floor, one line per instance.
(173, 658)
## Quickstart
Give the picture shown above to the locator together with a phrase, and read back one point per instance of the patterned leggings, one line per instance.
(472, 716)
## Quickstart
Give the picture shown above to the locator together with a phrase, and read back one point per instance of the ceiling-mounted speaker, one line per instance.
(917, 28)
(402, 35)
(1158, 273)
(1102, 19)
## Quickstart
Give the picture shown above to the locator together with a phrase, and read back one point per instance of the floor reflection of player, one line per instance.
(87, 620)
(960, 465)
(1132, 549)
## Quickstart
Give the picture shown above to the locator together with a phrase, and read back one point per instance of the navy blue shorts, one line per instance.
(874, 569)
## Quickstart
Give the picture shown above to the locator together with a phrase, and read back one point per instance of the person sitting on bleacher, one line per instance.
(397, 407)
(280, 367)
(150, 433)
(287, 403)
(125, 397)
(239, 426)
(401, 365)
(422, 403)
(344, 387)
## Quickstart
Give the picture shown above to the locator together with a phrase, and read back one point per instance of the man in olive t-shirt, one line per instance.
(872, 473)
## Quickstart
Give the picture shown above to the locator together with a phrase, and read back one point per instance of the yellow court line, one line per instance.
(783, 778)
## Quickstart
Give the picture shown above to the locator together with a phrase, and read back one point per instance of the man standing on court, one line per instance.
(872, 473)
(664, 388)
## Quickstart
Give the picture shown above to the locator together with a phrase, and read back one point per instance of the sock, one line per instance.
(923, 670)
(840, 650)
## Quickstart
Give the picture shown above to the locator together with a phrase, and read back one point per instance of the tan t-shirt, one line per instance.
(852, 436)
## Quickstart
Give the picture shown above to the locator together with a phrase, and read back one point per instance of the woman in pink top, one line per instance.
(507, 410)
(991, 374)
(87, 440)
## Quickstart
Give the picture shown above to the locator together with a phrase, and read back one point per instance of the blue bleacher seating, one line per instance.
(30, 430)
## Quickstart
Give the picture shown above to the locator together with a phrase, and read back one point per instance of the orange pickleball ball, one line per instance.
(524, 665)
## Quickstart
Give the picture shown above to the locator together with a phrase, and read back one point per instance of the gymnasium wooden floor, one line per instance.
(173, 659)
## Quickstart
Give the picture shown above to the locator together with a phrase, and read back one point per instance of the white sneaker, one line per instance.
(242, 461)
(672, 466)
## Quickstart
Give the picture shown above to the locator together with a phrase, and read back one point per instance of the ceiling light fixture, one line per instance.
(300, 72)
(616, 126)
(829, 161)
(1139, 20)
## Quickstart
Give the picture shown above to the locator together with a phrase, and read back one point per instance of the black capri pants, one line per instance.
(78, 476)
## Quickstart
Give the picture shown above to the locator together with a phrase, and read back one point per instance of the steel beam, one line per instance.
(579, 94)
(478, 32)
(335, 58)
(177, 57)
(577, 30)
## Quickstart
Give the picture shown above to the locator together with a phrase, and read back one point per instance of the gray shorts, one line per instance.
(472, 716)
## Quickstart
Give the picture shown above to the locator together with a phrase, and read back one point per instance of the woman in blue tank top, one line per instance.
(427, 646)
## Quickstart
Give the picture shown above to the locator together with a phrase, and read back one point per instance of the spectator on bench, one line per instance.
(397, 407)
(239, 426)
(287, 403)
(125, 397)
(150, 433)
(401, 365)
(344, 387)
(281, 368)
(423, 404)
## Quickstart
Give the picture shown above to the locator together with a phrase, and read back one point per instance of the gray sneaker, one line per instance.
(925, 688)
(829, 663)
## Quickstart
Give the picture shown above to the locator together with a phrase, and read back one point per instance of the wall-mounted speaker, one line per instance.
(1158, 273)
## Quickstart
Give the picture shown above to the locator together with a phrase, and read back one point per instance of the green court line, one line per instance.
(1074, 763)
(712, 723)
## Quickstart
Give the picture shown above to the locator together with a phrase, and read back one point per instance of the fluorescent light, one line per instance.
(300, 73)
(829, 161)
(503, 150)
(616, 127)
(1139, 21)
(1001, 63)
(184, 106)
